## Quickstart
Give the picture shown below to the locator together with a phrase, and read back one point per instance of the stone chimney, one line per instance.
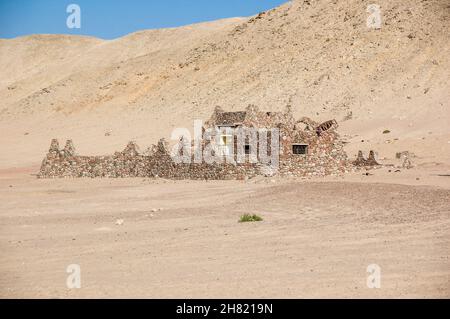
(162, 146)
(132, 149)
(218, 109)
(372, 159)
(54, 145)
(69, 149)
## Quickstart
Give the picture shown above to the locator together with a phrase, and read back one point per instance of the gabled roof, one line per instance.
(230, 118)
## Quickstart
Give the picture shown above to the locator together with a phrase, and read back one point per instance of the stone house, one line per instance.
(304, 148)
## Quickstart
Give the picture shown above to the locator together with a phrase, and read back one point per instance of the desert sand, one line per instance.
(182, 238)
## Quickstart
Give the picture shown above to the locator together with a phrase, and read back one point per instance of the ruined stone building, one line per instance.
(304, 148)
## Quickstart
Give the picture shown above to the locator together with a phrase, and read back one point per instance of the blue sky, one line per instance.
(110, 19)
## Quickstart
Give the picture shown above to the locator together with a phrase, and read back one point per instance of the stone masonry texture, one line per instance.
(324, 153)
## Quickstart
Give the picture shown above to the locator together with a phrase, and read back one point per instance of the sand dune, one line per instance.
(320, 57)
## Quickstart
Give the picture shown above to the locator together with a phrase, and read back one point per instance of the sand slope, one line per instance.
(319, 57)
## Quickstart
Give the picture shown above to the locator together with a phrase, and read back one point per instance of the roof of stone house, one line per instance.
(230, 118)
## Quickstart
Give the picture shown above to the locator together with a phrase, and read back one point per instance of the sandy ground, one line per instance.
(316, 240)
(388, 89)
(320, 58)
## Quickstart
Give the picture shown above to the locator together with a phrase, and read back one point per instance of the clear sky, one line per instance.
(110, 19)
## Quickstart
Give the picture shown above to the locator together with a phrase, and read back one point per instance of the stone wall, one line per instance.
(131, 163)
(363, 161)
(325, 153)
(328, 159)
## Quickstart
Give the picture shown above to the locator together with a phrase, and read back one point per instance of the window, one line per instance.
(226, 140)
(225, 144)
(247, 149)
(299, 149)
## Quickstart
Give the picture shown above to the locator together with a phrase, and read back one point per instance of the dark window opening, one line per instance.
(247, 149)
(299, 149)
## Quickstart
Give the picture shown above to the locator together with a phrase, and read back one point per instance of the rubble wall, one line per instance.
(325, 153)
(130, 163)
(325, 156)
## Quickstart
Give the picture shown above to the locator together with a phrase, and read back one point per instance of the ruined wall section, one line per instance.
(325, 149)
(65, 163)
(325, 154)
(131, 163)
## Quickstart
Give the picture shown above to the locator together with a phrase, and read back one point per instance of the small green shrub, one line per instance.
(250, 218)
(386, 132)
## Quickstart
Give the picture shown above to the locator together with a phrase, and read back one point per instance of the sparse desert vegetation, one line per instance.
(317, 238)
(250, 218)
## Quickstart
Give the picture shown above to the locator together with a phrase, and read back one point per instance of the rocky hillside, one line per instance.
(318, 56)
